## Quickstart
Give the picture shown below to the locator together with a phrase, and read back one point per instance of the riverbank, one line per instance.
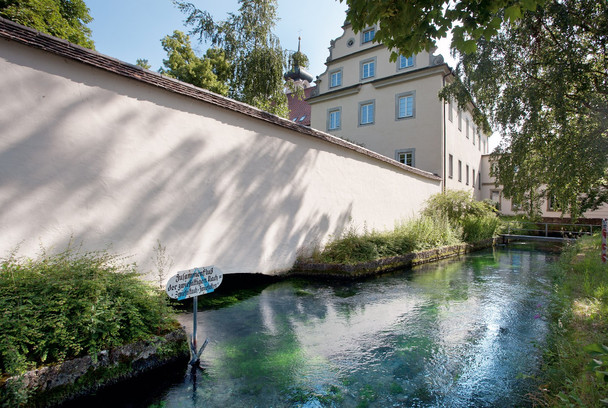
(74, 321)
(576, 358)
(304, 268)
(56, 384)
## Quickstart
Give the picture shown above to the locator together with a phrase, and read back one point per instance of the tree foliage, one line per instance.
(65, 19)
(408, 27)
(543, 83)
(210, 72)
(144, 63)
(247, 39)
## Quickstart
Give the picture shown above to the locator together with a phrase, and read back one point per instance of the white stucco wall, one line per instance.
(107, 161)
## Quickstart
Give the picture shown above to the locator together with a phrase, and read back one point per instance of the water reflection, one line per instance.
(457, 333)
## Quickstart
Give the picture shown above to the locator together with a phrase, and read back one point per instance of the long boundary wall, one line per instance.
(108, 155)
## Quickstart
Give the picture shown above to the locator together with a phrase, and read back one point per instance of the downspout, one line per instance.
(443, 145)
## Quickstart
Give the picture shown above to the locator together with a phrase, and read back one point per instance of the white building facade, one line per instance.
(393, 108)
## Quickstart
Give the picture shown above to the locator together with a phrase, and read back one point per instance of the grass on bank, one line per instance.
(449, 218)
(576, 359)
(70, 304)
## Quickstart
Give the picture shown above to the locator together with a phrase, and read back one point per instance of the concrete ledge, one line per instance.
(52, 385)
(365, 269)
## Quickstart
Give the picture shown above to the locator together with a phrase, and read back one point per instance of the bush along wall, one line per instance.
(73, 321)
(452, 223)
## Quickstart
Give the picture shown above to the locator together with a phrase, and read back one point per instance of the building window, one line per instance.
(474, 133)
(460, 171)
(451, 166)
(467, 174)
(459, 119)
(479, 181)
(405, 105)
(473, 178)
(495, 198)
(366, 113)
(334, 119)
(478, 140)
(515, 206)
(335, 79)
(368, 69)
(405, 62)
(552, 203)
(450, 111)
(406, 156)
(368, 35)
(466, 123)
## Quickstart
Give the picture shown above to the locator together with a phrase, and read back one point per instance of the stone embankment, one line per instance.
(365, 269)
(52, 385)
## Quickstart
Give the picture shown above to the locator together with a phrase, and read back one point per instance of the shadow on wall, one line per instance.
(114, 163)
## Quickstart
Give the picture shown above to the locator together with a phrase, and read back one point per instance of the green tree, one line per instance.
(543, 83)
(408, 27)
(209, 72)
(248, 41)
(65, 19)
(144, 63)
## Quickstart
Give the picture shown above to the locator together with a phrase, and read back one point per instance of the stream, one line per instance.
(458, 333)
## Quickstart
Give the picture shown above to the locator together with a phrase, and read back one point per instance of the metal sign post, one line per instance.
(191, 284)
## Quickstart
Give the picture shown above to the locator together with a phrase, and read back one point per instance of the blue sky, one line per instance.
(132, 29)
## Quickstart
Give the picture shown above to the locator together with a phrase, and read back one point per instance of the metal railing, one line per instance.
(549, 229)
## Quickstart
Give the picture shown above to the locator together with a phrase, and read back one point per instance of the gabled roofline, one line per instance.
(35, 39)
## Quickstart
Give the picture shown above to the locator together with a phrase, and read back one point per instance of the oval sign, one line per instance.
(194, 282)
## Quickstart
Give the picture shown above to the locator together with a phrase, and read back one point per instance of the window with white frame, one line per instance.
(335, 79)
(368, 69)
(451, 166)
(466, 123)
(467, 174)
(474, 133)
(404, 62)
(450, 111)
(368, 35)
(460, 171)
(478, 140)
(334, 119)
(473, 178)
(459, 119)
(479, 181)
(366, 113)
(406, 105)
(406, 156)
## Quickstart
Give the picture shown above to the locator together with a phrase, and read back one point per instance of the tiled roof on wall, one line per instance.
(32, 38)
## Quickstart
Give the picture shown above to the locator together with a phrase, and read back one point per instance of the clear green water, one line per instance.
(460, 333)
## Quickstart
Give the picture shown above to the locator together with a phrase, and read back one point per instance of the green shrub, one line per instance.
(70, 304)
(413, 235)
(349, 248)
(448, 219)
(430, 232)
(477, 219)
(476, 229)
